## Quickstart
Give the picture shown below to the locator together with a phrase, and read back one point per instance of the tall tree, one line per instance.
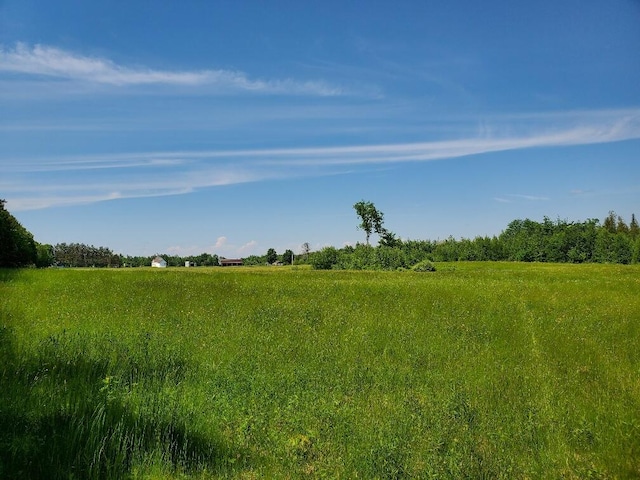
(287, 257)
(272, 256)
(371, 219)
(17, 247)
(622, 227)
(610, 224)
(45, 256)
(634, 229)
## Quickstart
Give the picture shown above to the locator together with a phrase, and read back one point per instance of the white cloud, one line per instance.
(580, 192)
(28, 183)
(246, 165)
(533, 198)
(220, 242)
(510, 197)
(249, 246)
(47, 61)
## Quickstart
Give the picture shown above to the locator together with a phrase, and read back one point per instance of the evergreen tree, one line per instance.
(610, 223)
(634, 229)
(621, 227)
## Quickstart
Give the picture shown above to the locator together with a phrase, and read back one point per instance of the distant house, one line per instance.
(159, 262)
(230, 262)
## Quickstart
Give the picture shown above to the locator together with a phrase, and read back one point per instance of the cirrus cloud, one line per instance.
(36, 183)
(48, 61)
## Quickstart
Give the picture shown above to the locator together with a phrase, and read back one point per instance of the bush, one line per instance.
(389, 258)
(325, 259)
(424, 266)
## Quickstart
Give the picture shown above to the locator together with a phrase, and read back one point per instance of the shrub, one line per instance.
(325, 259)
(424, 266)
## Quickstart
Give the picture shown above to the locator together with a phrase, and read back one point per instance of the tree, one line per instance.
(389, 239)
(621, 227)
(371, 219)
(272, 256)
(45, 256)
(17, 247)
(610, 223)
(325, 259)
(306, 248)
(634, 229)
(287, 257)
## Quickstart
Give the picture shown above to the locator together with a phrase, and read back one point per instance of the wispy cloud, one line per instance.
(47, 61)
(625, 126)
(45, 182)
(247, 246)
(531, 198)
(581, 192)
(511, 197)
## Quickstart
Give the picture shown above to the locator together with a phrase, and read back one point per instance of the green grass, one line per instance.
(478, 370)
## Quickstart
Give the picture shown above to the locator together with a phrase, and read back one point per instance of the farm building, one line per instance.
(159, 262)
(230, 262)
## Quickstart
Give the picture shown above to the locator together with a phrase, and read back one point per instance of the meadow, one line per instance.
(477, 370)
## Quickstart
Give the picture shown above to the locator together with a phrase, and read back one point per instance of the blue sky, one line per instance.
(234, 127)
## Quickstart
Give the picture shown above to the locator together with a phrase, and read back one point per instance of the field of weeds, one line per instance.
(477, 370)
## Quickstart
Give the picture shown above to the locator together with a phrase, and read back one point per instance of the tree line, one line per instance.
(612, 241)
(81, 255)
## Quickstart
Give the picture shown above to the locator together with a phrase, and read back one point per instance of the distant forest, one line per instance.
(613, 241)
(591, 241)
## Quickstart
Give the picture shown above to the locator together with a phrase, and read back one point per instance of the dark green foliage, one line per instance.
(635, 253)
(81, 255)
(272, 256)
(287, 257)
(202, 260)
(610, 222)
(17, 247)
(45, 256)
(103, 257)
(613, 247)
(389, 239)
(389, 258)
(526, 240)
(325, 259)
(254, 260)
(362, 257)
(634, 229)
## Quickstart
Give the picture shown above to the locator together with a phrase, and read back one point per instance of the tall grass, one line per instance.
(484, 370)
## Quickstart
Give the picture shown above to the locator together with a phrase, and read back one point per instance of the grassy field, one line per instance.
(479, 370)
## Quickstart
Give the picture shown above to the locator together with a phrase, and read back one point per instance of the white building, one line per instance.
(159, 262)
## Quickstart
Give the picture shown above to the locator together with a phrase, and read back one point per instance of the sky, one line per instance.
(234, 127)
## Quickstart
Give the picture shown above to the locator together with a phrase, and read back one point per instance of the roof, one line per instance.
(230, 260)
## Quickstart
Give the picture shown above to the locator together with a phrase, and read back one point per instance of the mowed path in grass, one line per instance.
(494, 370)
